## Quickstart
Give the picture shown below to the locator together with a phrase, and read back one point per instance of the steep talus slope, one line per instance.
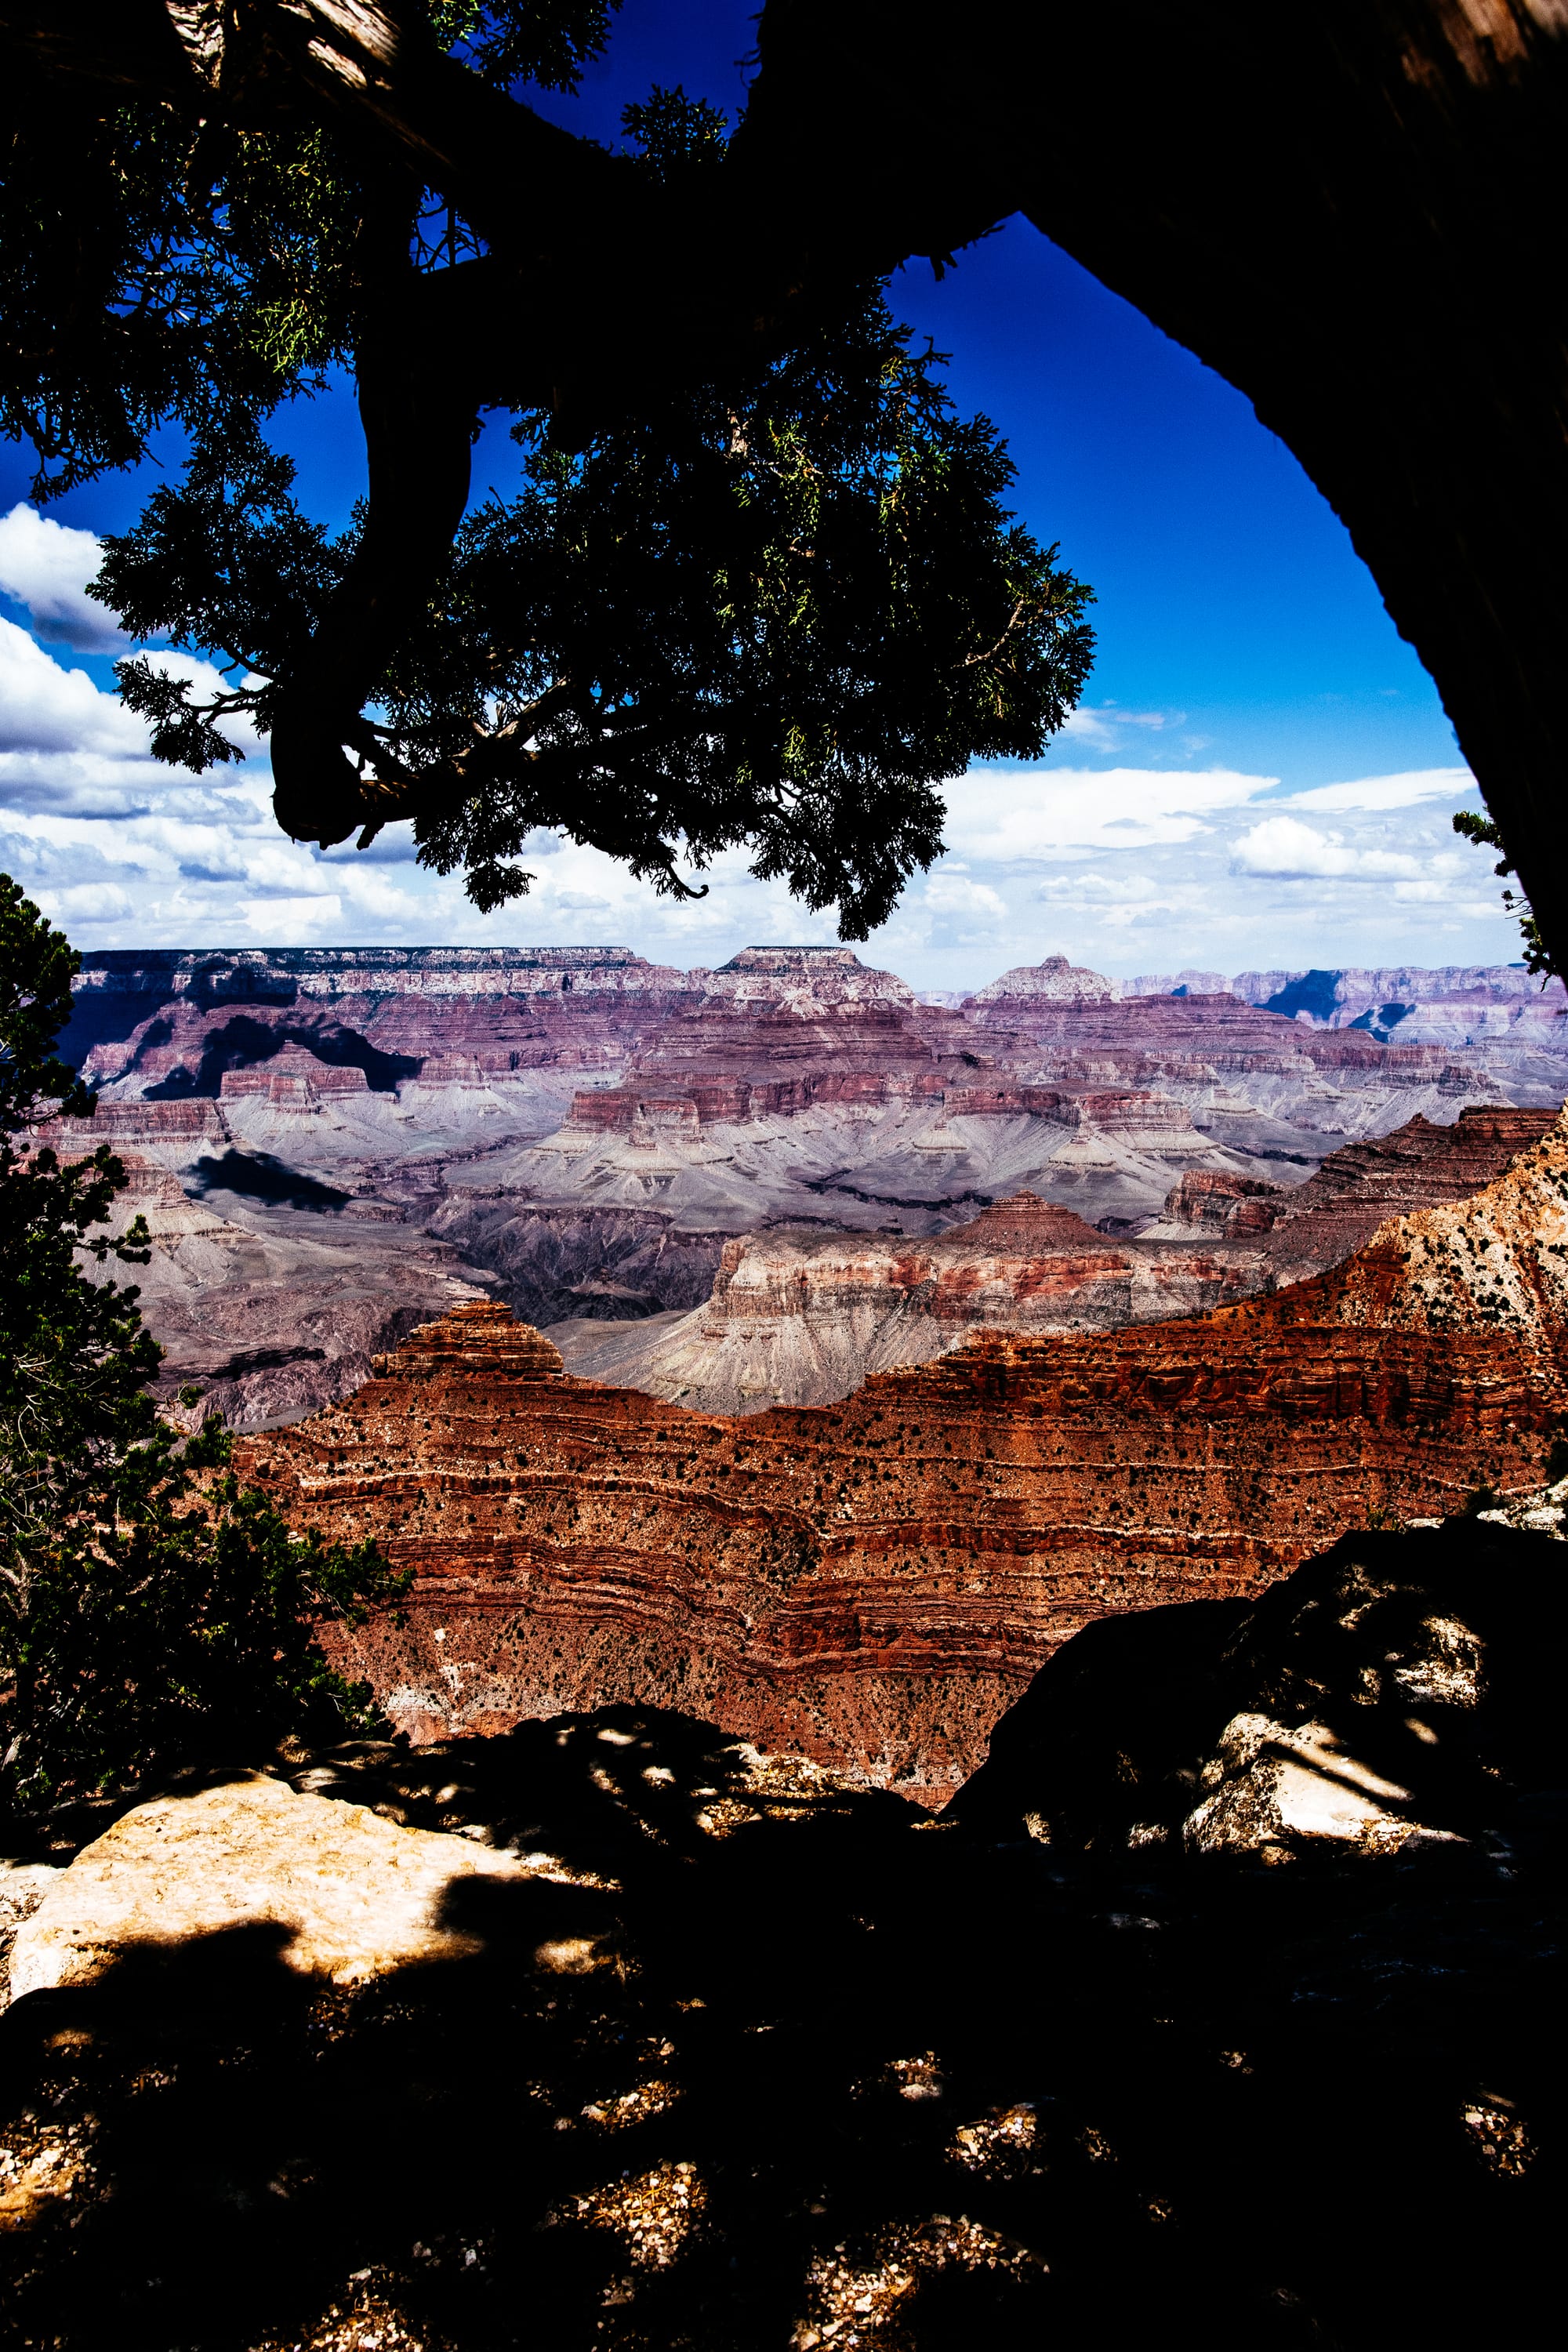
(274, 1298)
(802, 1314)
(870, 1582)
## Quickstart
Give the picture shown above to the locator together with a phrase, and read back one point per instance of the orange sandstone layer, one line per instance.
(871, 1583)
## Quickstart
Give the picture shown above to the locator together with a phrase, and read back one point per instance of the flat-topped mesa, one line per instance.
(1114, 1110)
(807, 977)
(1055, 981)
(246, 975)
(659, 1104)
(180, 1128)
(1133, 1023)
(1347, 992)
(176, 1020)
(1179, 984)
(871, 1583)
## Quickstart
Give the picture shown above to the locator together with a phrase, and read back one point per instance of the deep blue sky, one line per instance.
(1239, 633)
(1228, 589)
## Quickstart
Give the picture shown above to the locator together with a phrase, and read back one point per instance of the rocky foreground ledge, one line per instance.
(616, 2033)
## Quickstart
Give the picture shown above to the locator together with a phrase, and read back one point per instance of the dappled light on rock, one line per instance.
(836, 2078)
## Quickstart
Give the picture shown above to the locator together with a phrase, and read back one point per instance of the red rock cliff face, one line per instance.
(1316, 1225)
(499, 1009)
(872, 1582)
(1420, 1166)
(183, 1125)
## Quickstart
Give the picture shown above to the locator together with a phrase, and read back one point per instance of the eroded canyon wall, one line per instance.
(801, 1314)
(586, 1134)
(871, 1584)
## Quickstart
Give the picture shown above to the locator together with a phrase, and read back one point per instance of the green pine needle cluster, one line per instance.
(1486, 833)
(151, 1607)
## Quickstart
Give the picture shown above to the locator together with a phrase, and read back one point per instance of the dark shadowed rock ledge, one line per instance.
(706, 2049)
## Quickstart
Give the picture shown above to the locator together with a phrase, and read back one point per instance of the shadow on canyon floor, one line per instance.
(764, 2067)
(260, 1176)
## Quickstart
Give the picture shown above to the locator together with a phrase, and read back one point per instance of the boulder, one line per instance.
(356, 1894)
(1397, 1689)
(23, 1887)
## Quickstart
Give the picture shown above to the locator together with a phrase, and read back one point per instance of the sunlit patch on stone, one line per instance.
(999, 2143)
(634, 2106)
(1505, 2146)
(573, 1956)
(654, 2214)
(859, 2296)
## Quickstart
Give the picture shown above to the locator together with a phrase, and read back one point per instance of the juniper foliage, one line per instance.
(150, 1606)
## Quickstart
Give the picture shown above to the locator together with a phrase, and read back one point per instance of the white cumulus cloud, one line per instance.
(44, 707)
(1284, 847)
(1404, 791)
(46, 566)
(953, 894)
(1037, 813)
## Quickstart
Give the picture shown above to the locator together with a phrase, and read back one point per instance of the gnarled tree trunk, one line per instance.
(1353, 210)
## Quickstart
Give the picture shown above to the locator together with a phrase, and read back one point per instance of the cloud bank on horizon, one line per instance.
(1126, 867)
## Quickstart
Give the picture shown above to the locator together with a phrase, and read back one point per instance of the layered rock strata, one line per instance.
(802, 1314)
(1315, 1225)
(870, 1584)
(271, 1309)
(176, 1023)
(528, 1107)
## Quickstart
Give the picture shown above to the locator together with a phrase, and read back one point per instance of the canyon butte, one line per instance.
(709, 1182)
